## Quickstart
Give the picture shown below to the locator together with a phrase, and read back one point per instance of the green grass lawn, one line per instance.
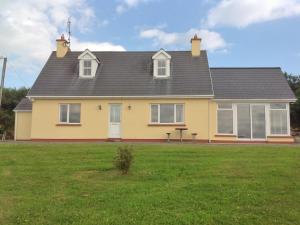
(168, 184)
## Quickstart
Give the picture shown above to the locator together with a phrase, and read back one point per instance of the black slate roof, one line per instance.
(250, 83)
(24, 105)
(124, 74)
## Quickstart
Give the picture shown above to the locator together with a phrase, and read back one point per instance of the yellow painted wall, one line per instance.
(23, 125)
(134, 125)
(281, 139)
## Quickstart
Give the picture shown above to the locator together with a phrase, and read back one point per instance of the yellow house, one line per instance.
(153, 96)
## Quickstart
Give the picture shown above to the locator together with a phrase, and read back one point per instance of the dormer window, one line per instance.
(87, 70)
(88, 64)
(161, 64)
(161, 67)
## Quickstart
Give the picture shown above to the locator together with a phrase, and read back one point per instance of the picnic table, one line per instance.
(181, 129)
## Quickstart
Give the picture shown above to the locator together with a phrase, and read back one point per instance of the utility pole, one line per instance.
(2, 78)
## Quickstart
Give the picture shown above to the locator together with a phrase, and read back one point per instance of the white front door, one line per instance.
(115, 121)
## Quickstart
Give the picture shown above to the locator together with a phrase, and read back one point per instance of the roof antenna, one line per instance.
(69, 31)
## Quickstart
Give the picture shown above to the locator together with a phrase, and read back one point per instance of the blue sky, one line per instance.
(235, 33)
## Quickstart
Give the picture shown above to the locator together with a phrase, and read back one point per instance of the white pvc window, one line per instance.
(225, 118)
(167, 113)
(161, 68)
(69, 113)
(278, 119)
(87, 67)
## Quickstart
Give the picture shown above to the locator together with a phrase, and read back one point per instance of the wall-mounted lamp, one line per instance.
(99, 107)
(129, 107)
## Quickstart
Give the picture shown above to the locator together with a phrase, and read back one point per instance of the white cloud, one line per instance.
(125, 5)
(239, 13)
(95, 46)
(210, 40)
(29, 30)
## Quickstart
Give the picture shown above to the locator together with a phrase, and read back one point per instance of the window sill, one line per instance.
(69, 124)
(225, 135)
(86, 77)
(166, 125)
(161, 77)
(279, 136)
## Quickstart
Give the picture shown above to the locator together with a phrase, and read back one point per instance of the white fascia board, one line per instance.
(21, 110)
(125, 97)
(87, 51)
(162, 51)
(255, 100)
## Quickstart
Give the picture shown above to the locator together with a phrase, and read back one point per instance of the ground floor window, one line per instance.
(69, 113)
(167, 113)
(225, 118)
(253, 120)
(279, 119)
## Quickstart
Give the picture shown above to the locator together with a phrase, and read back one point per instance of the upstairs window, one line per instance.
(161, 64)
(69, 113)
(87, 68)
(88, 64)
(161, 67)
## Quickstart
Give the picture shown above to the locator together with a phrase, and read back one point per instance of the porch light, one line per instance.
(99, 107)
(129, 107)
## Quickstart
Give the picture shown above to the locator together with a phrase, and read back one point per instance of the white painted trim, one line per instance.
(161, 51)
(109, 118)
(68, 113)
(174, 112)
(233, 119)
(16, 122)
(287, 109)
(267, 120)
(125, 97)
(87, 51)
(22, 110)
(255, 100)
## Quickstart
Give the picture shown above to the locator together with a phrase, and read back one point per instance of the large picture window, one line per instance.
(279, 119)
(167, 113)
(69, 113)
(225, 118)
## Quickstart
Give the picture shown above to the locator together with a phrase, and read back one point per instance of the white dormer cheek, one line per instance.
(161, 62)
(88, 56)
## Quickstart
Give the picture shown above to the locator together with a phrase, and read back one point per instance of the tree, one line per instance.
(11, 97)
(294, 82)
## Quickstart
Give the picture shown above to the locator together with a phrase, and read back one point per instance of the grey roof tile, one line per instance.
(124, 74)
(250, 83)
(24, 105)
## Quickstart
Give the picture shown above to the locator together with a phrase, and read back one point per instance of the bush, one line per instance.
(123, 159)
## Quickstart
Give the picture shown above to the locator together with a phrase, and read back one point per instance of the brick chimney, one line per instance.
(196, 46)
(62, 47)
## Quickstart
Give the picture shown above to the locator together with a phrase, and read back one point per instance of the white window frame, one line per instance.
(234, 118)
(162, 67)
(87, 55)
(174, 111)
(267, 118)
(287, 109)
(68, 113)
(87, 67)
(161, 55)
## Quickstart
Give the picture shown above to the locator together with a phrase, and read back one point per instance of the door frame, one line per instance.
(109, 117)
(251, 124)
